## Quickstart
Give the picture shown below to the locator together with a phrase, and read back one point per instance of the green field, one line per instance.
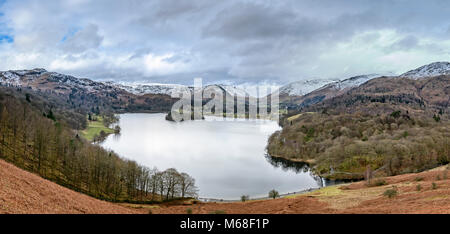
(294, 117)
(94, 128)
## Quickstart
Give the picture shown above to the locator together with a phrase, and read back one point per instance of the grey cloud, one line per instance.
(225, 40)
(139, 53)
(87, 38)
(82, 56)
(181, 57)
(407, 43)
(254, 21)
(174, 9)
(250, 21)
(371, 37)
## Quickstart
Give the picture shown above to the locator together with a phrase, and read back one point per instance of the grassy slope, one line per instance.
(294, 117)
(94, 128)
(23, 192)
(348, 198)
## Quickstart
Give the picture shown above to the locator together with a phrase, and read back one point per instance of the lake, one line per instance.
(227, 158)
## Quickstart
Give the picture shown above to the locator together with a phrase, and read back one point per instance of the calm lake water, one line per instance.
(227, 158)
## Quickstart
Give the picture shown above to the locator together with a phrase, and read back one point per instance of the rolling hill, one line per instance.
(298, 95)
(392, 125)
(64, 93)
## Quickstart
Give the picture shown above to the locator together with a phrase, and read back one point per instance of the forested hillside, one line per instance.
(72, 98)
(40, 139)
(392, 125)
(23, 192)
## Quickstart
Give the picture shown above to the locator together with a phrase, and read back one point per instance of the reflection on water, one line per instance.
(286, 165)
(300, 167)
(227, 158)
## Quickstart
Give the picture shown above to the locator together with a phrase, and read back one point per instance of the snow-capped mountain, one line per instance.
(9, 78)
(300, 88)
(235, 90)
(13, 78)
(41, 79)
(157, 88)
(147, 88)
(432, 69)
(310, 95)
(85, 95)
(350, 82)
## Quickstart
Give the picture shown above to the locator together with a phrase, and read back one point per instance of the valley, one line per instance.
(96, 129)
(216, 153)
(367, 127)
(388, 125)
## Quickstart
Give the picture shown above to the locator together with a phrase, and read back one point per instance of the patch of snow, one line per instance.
(147, 88)
(25, 77)
(159, 88)
(352, 81)
(36, 71)
(432, 69)
(235, 90)
(300, 88)
(9, 78)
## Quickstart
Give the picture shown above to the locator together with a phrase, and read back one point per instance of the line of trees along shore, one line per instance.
(40, 144)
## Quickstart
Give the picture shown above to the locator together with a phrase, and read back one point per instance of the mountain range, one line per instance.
(297, 98)
(345, 129)
(432, 69)
(125, 96)
(389, 124)
(294, 89)
(73, 98)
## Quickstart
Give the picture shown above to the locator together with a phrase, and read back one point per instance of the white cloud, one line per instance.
(262, 41)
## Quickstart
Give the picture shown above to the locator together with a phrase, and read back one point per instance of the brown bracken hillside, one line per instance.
(426, 192)
(22, 192)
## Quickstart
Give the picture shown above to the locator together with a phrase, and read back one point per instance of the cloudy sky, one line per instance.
(236, 41)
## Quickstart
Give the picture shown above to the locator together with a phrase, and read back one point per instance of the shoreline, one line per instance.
(310, 162)
(217, 200)
(334, 177)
